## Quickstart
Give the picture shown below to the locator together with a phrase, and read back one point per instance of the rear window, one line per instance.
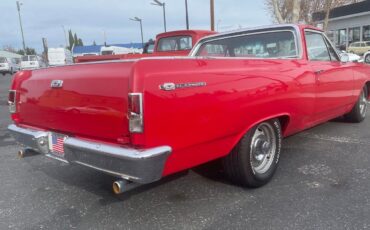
(25, 58)
(175, 43)
(280, 44)
(3, 60)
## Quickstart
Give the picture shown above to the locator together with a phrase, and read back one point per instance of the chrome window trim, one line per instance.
(294, 30)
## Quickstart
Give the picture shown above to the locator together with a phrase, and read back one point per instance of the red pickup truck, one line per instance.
(174, 43)
(234, 98)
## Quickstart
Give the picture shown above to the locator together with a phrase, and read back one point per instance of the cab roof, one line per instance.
(201, 33)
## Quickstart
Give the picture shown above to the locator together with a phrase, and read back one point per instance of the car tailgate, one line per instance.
(86, 100)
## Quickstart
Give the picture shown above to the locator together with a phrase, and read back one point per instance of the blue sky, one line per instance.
(89, 18)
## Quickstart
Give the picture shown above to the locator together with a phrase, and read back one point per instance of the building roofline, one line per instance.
(342, 11)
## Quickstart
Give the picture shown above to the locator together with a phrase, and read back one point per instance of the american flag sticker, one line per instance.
(56, 144)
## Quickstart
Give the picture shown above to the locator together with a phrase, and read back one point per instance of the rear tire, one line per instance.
(358, 112)
(253, 162)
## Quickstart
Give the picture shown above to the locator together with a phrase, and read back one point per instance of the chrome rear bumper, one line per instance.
(136, 165)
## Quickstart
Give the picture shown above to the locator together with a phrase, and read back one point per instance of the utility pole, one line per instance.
(20, 23)
(218, 25)
(65, 35)
(164, 17)
(187, 15)
(45, 53)
(212, 5)
(136, 19)
(163, 5)
(105, 38)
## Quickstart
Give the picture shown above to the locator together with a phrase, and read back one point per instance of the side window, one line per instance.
(316, 47)
(333, 54)
(277, 44)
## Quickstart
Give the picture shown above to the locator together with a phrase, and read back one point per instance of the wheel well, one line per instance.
(368, 89)
(284, 121)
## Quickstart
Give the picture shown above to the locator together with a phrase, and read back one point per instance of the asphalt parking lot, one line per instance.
(323, 182)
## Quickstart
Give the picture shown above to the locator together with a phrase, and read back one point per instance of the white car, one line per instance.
(367, 57)
(8, 65)
(114, 50)
(59, 56)
(32, 62)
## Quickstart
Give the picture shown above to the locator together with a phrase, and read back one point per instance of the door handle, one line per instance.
(319, 71)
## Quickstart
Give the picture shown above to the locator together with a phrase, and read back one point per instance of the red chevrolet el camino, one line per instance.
(234, 98)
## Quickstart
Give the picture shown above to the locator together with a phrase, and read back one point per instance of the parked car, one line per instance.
(114, 50)
(32, 62)
(59, 56)
(234, 98)
(359, 48)
(367, 57)
(173, 43)
(8, 65)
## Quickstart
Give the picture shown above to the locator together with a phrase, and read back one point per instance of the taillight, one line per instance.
(12, 101)
(135, 112)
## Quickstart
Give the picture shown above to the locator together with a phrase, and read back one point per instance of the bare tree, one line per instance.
(276, 11)
(285, 11)
(294, 11)
(328, 4)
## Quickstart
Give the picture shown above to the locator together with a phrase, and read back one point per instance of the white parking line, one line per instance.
(331, 138)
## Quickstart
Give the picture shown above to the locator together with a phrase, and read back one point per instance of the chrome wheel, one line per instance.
(263, 148)
(363, 103)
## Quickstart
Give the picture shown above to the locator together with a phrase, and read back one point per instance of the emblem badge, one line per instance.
(56, 84)
(173, 86)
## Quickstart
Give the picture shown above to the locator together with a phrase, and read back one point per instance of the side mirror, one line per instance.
(344, 57)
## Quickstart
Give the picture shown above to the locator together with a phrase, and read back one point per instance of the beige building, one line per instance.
(347, 24)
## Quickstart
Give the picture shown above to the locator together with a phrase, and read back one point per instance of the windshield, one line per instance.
(280, 44)
(3, 60)
(175, 43)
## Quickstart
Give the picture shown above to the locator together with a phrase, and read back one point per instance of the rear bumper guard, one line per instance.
(136, 165)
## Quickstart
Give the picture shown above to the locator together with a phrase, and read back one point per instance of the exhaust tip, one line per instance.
(119, 187)
(27, 152)
(21, 153)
